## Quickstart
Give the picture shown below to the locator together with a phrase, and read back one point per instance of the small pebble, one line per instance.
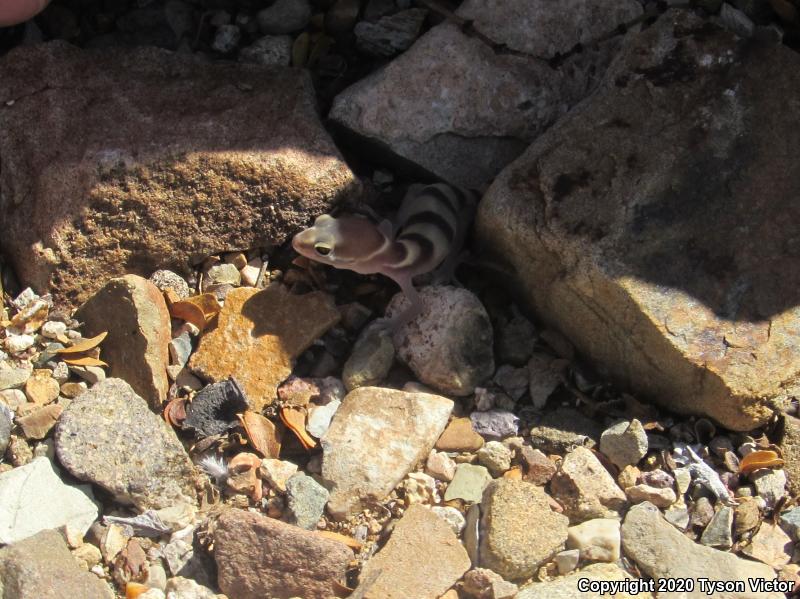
(468, 483)
(440, 466)
(277, 472)
(719, 532)
(41, 388)
(16, 344)
(226, 40)
(319, 418)
(420, 488)
(770, 485)
(180, 348)
(597, 540)
(567, 561)
(166, 279)
(660, 497)
(225, 274)
(495, 423)
(539, 469)
(371, 359)
(53, 329)
(305, 500)
(624, 443)
(496, 457)
(452, 516)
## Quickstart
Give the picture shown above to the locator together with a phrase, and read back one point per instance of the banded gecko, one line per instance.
(429, 231)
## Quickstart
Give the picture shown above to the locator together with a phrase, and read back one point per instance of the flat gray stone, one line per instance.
(305, 500)
(108, 435)
(624, 443)
(375, 438)
(25, 512)
(468, 483)
(661, 551)
(41, 567)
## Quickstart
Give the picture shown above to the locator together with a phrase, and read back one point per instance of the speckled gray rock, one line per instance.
(567, 586)
(661, 551)
(41, 567)
(261, 557)
(624, 443)
(496, 457)
(370, 360)
(519, 530)
(585, 488)
(449, 345)
(108, 435)
(23, 511)
(375, 438)
(454, 107)
(284, 16)
(166, 279)
(305, 501)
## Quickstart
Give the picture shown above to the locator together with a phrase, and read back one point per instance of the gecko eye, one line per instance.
(322, 250)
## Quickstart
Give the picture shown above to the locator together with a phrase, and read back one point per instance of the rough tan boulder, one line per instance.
(125, 161)
(652, 223)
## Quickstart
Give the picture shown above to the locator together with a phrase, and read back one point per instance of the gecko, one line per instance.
(427, 234)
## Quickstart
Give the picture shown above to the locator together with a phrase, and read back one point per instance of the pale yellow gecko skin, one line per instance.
(429, 231)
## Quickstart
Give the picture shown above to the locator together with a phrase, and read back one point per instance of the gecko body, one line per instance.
(428, 233)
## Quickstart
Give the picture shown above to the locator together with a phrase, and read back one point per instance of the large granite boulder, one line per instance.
(651, 224)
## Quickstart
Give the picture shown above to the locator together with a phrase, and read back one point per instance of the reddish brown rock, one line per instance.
(422, 559)
(649, 224)
(120, 160)
(41, 567)
(261, 557)
(133, 312)
(459, 436)
(258, 334)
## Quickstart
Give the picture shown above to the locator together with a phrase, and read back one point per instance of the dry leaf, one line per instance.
(514, 474)
(134, 589)
(207, 302)
(171, 296)
(83, 345)
(335, 536)
(189, 312)
(262, 434)
(295, 420)
(84, 361)
(759, 459)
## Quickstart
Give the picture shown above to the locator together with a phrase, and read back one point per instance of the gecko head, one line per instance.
(346, 242)
(320, 241)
